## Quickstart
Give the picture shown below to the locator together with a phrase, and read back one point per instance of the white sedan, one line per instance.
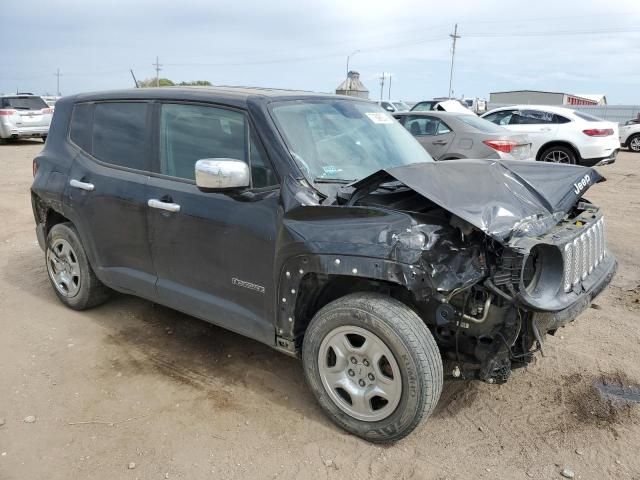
(561, 135)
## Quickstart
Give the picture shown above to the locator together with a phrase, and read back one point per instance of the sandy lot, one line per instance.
(133, 382)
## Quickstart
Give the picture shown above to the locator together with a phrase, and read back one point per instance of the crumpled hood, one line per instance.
(502, 198)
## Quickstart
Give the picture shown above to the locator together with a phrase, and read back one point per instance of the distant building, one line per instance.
(536, 97)
(353, 86)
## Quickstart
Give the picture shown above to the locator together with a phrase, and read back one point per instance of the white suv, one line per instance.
(630, 135)
(561, 135)
(24, 115)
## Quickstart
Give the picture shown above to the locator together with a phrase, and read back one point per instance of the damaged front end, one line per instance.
(497, 266)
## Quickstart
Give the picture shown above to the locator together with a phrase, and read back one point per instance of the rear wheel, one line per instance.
(558, 154)
(634, 143)
(373, 365)
(70, 273)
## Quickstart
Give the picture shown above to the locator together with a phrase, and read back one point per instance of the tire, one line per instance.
(559, 154)
(633, 143)
(71, 276)
(44, 139)
(412, 376)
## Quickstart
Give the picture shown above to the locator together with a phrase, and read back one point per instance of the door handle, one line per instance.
(440, 142)
(169, 207)
(82, 185)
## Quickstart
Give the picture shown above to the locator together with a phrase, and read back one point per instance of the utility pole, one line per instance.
(348, 57)
(58, 75)
(381, 85)
(455, 37)
(390, 87)
(157, 65)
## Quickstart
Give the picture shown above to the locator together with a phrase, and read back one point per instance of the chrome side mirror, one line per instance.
(222, 174)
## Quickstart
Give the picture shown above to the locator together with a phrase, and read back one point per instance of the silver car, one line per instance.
(452, 135)
(23, 116)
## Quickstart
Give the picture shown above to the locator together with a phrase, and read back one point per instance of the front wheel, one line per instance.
(634, 143)
(373, 366)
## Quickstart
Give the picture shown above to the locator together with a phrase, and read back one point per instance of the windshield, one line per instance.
(401, 106)
(423, 107)
(24, 103)
(343, 140)
(481, 124)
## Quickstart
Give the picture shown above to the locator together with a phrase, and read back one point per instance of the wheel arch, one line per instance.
(309, 282)
(632, 136)
(558, 143)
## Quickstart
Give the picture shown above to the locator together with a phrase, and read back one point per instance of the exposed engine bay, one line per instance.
(494, 292)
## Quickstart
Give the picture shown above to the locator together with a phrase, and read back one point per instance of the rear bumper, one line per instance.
(12, 131)
(592, 287)
(592, 162)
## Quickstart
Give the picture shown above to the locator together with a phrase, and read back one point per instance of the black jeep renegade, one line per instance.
(318, 225)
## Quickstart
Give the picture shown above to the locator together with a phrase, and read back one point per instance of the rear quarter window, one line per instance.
(80, 127)
(119, 134)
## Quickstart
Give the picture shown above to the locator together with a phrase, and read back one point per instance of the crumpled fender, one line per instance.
(296, 268)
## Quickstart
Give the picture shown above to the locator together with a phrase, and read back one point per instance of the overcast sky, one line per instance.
(575, 46)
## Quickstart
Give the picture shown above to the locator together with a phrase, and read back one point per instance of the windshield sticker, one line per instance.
(379, 117)
(331, 170)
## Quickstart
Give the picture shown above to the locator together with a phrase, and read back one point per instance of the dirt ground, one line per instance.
(131, 383)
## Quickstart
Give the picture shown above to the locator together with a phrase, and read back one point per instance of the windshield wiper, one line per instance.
(341, 181)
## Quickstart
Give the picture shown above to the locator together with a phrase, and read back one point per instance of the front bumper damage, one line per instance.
(600, 278)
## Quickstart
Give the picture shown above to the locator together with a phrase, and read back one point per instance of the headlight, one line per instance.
(543, 272)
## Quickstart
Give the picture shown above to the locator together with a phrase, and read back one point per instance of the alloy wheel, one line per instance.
(360, 373)
(63, 267)
(635, 144)
(557, 156)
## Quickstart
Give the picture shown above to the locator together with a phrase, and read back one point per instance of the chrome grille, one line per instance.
(583, 254)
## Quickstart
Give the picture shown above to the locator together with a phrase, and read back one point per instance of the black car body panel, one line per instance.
(462, 242)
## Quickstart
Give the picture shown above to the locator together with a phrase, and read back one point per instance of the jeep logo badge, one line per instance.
(582, 184)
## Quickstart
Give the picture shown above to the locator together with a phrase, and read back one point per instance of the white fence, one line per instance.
(613, 113)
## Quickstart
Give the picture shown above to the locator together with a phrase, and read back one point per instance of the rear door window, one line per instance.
(120, 134)
(422, 125)
(532, 117)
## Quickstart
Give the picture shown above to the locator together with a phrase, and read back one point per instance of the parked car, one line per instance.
(476, 105)
(561, 135)
(630, 136)
(450, 136)
(318, 225)
(443, 105)
(394, 106)
(24, 116)
(50, 100)
(425, 106)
